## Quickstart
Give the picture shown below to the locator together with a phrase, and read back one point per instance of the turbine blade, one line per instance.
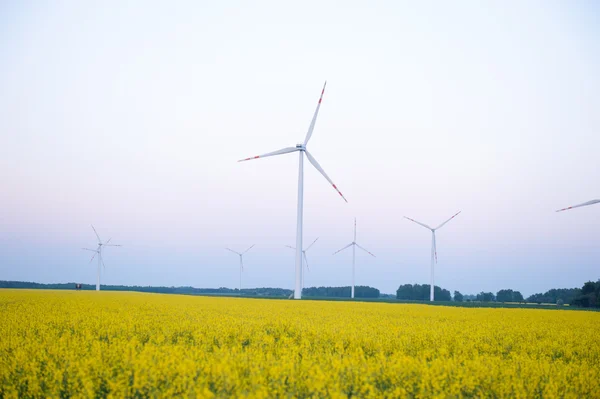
(242, 262)
(448, 220)
(305, 260)
(235, 252)
(289, 246)
(248, 249)
(422, 224)
(112, 245)
(347, 246)
(99, 240)
(365, 250)
(87, 249)
(592, 202)
(314, 162)
(93, 257)
(106, 243)
(314, 119)
(311, 244)
(102, 261)
(270, 154)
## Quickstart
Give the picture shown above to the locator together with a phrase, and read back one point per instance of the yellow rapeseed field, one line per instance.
(107, 344)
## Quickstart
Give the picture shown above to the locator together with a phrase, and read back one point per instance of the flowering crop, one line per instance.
(126, 344)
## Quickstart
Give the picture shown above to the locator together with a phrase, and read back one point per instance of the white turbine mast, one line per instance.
(301, 149)
(98, 251)
(241, 255)
(304, 257)
(433, 251)
(592, 202)
(354, 245)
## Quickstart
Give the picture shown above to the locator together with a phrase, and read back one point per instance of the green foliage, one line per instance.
(589, 296)
(486, 297)
(269, 292)
(567, 295)
(419, 292)
(509, 296)
(458, 297)
(360, 291)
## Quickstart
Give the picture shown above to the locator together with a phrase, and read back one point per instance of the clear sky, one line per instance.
(131, 116)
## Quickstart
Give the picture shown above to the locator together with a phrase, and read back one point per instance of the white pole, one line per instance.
(353, 259)
(432, 264)
(353, 267)
(98, 276)
(241, 267)
(298, 285)
(303, 272)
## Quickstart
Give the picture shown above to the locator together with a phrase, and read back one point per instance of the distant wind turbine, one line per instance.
(301, 148)
(241, 254)
(304, 256)
(592, 202)
(353, 244)
(433, 251)
(98, 251)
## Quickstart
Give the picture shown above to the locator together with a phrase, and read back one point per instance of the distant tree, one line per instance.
(441, 294)
(406, 292)
(590, 295)
(418, 292)
(518, 297)
(458, 297)
(485, 297)
(360, 291)
(267, 292)
(509, 296)
(567, 295)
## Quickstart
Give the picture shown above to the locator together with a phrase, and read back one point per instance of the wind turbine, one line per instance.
(304, 256)
(241, 262)
(301, 148)
(98, 251)
(592, 202)
(354, 245)
(433, 250)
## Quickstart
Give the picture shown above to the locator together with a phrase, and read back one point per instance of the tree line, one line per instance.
(337, 292)
(588, 296)
(266, 291)
(418, 292)
(360, 291)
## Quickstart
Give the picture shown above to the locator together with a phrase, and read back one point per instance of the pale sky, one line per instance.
(131, 116)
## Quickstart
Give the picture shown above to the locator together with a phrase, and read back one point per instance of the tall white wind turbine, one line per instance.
(98, 251)
(433, 251)
(241, 255)
(301, 149)
(304, 257)
(592, 202)
(354, 245)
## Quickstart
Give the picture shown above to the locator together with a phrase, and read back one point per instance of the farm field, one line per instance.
(127, 344)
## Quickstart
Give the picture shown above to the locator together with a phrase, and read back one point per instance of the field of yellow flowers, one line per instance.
(109, 344)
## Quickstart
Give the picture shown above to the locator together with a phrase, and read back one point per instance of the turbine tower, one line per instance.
(592, 202)
(433, 251)
(241, 262)
(98, 251)
(354, 245)
(301, 148)
(304, 257)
